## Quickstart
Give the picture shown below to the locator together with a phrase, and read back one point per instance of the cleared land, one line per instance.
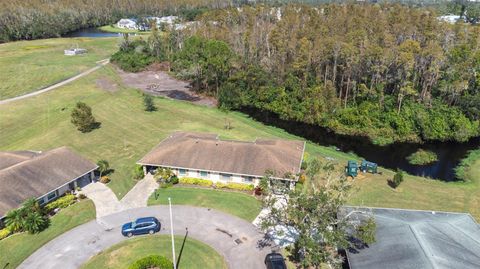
(225, 201)
(26, 66)
(195, 255)
(17, 248)
(128, 132)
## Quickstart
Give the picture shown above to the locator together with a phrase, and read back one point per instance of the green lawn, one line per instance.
(114, 29)
(16, 248)
(128, 132)
(238, 204)
(195, 255)
(26, 66)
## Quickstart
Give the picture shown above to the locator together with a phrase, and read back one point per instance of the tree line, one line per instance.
(386, 71)
(35, 19)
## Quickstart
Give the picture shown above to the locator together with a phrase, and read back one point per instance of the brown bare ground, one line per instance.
(160, 83)
(107, 84)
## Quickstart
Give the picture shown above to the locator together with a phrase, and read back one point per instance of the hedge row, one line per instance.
(219, 185)
(196, 181)
(4, 233)
(61, 202)
(235, 186)
(152, 261)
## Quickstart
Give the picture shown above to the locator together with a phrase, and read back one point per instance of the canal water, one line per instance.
(392, 156)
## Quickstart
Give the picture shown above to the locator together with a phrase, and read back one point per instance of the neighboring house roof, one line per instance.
(30, 174)
(419, 239)
(206, 152)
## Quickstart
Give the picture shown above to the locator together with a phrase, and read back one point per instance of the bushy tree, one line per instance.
(313, 214)
(138, 172)
(148, 103)
(397, 179)
(82, 118)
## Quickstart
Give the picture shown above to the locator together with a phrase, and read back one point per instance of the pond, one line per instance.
(392, 156)
(92, 33)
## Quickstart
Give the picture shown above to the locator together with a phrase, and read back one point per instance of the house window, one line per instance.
(41, 201)
(248, 179)
(182, 172)
(51, 195)
(203, 174)
(226, 177)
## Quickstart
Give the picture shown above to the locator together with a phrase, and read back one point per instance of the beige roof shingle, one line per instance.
(206, 152)
(28, 174)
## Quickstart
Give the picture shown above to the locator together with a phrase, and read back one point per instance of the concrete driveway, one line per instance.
(106, 203)
(217, 229)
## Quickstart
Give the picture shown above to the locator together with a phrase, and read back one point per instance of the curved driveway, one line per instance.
(217, 229)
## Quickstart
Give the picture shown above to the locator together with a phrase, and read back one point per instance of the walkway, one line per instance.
(60, 84)
(219, 230)
(106, 203)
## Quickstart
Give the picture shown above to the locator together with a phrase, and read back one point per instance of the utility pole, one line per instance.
(171, 232)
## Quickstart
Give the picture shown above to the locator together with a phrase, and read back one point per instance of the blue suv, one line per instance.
(148, 225)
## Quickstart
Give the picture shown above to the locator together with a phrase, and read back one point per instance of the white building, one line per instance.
(130, 24)
(449, 18)
(201, 155)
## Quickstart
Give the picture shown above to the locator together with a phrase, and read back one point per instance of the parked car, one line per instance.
(148, 225)
(275, 261)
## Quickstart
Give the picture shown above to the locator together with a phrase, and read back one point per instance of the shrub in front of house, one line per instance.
(235, 186)
(82, 196)
(4, 233)
(104, 179)
(138, 172)
(195, 181)
(61, 202)
(152, 261)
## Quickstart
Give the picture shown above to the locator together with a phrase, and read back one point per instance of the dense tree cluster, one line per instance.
(51, 18)
(389, 72)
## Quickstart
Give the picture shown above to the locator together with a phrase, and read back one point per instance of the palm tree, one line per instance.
(35, 223)
(14, 220)
(31, 205)
(103, 166)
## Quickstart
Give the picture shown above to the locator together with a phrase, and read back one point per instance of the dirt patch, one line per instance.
(162, 84)
(107, 85)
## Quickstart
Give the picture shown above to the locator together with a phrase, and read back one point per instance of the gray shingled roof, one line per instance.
(420, 239)
(207, 152)
(31, 174)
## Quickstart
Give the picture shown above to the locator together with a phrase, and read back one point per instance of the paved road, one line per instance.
(54, 86)
(217, 229)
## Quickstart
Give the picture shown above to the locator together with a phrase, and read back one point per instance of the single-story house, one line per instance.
(418, 239)
(203, 155)
(42, 175)
(127, 24)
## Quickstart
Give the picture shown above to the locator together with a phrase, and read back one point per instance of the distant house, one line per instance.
(41, 175)
(206, 156)
(130, 24)
(418, 239)
(449, 18)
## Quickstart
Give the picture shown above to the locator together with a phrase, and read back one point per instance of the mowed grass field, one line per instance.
(195, 255)
(26, 66)
(225, 201)
(18, 247)
(128, 132)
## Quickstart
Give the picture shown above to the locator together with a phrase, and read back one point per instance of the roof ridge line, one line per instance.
(422, 246)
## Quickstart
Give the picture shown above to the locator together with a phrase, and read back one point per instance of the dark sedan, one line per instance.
(148, 225)
(275, 261)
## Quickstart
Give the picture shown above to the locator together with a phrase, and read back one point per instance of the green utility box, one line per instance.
(351, 169)
(369, 167)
